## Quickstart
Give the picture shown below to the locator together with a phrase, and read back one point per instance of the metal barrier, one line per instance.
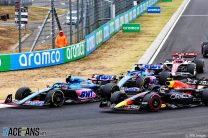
(73, 52)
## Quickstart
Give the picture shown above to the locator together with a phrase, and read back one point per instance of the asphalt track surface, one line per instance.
(87, 120)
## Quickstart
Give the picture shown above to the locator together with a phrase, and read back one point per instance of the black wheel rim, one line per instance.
(58, 99)
(155, 103)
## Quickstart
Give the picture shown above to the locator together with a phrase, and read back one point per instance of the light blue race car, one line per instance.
(75, 89)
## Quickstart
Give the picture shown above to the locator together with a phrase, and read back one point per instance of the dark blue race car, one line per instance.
(136, 80)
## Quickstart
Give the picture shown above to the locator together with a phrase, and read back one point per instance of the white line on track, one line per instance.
(5, 106)
(2, 105)
(194, 15)
(166, 37)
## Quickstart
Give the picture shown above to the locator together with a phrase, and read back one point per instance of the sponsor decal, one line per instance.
(23, 132)
(105, 77)
(112, 27)
(86, 94)
(126, 16)
(90, 43)
(138, 10)
(150, 66)
(199, 82)
(130, 15)
(117, 24)
(34, 103)
(131, 89)
(132, 107)
(106, 32)
(99, 37)
(74, 52)
(39, 58)
(144, 103)
(180, 96)
(121, 20)
(36, 59)
(134, 13)
(153, 9)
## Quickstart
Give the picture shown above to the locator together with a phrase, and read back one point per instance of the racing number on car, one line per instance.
(86, 94)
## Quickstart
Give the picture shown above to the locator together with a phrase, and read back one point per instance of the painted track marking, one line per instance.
(195, 15)
(167, 36)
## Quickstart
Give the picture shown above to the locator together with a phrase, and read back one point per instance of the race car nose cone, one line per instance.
(121, 104)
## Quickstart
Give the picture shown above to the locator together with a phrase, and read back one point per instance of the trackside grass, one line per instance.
(114, 57)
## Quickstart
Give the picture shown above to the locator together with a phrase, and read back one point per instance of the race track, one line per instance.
(88, 121)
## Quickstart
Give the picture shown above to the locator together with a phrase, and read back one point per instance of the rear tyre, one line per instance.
(199, 65)
(192, 69)
(22, 92)
(108, 89)
(118, 97)
(204, 50)
(205, 96)
(55, 98)
(164, 75)
(153, 102)
(142, 82)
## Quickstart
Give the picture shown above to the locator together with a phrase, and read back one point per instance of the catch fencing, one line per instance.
(73, 52)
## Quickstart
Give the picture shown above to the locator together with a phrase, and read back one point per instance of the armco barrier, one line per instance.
(99, 36)
(4, 62)
(36, 59)
(103, 33)
(90, 43)
(74, 52)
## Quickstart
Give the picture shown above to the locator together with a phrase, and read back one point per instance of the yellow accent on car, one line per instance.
(171, 83)
(163, 105)
(121, 104)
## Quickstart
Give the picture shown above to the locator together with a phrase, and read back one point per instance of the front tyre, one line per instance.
(205, 96)
(108, 89)
(199, 65)
(204, 50)
(118, 97)
(192, 69)
(55, 98)
(153, 102)
(22, 92)
(164, 75)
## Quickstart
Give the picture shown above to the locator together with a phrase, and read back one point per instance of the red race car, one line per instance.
(182, 65)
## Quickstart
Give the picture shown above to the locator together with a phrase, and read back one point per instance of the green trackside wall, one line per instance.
(4, 62)
(74, 52)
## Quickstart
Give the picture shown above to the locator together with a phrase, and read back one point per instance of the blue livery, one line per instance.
(153, 9)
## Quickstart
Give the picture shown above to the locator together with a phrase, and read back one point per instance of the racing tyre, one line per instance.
(191, 68)
(205, 96)
(199, 65)
(55, 98)
(118, 97)
(204, 50)
(22, 92)
(108, 89)
(142, 82)
(164, 75)
(153, 102)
